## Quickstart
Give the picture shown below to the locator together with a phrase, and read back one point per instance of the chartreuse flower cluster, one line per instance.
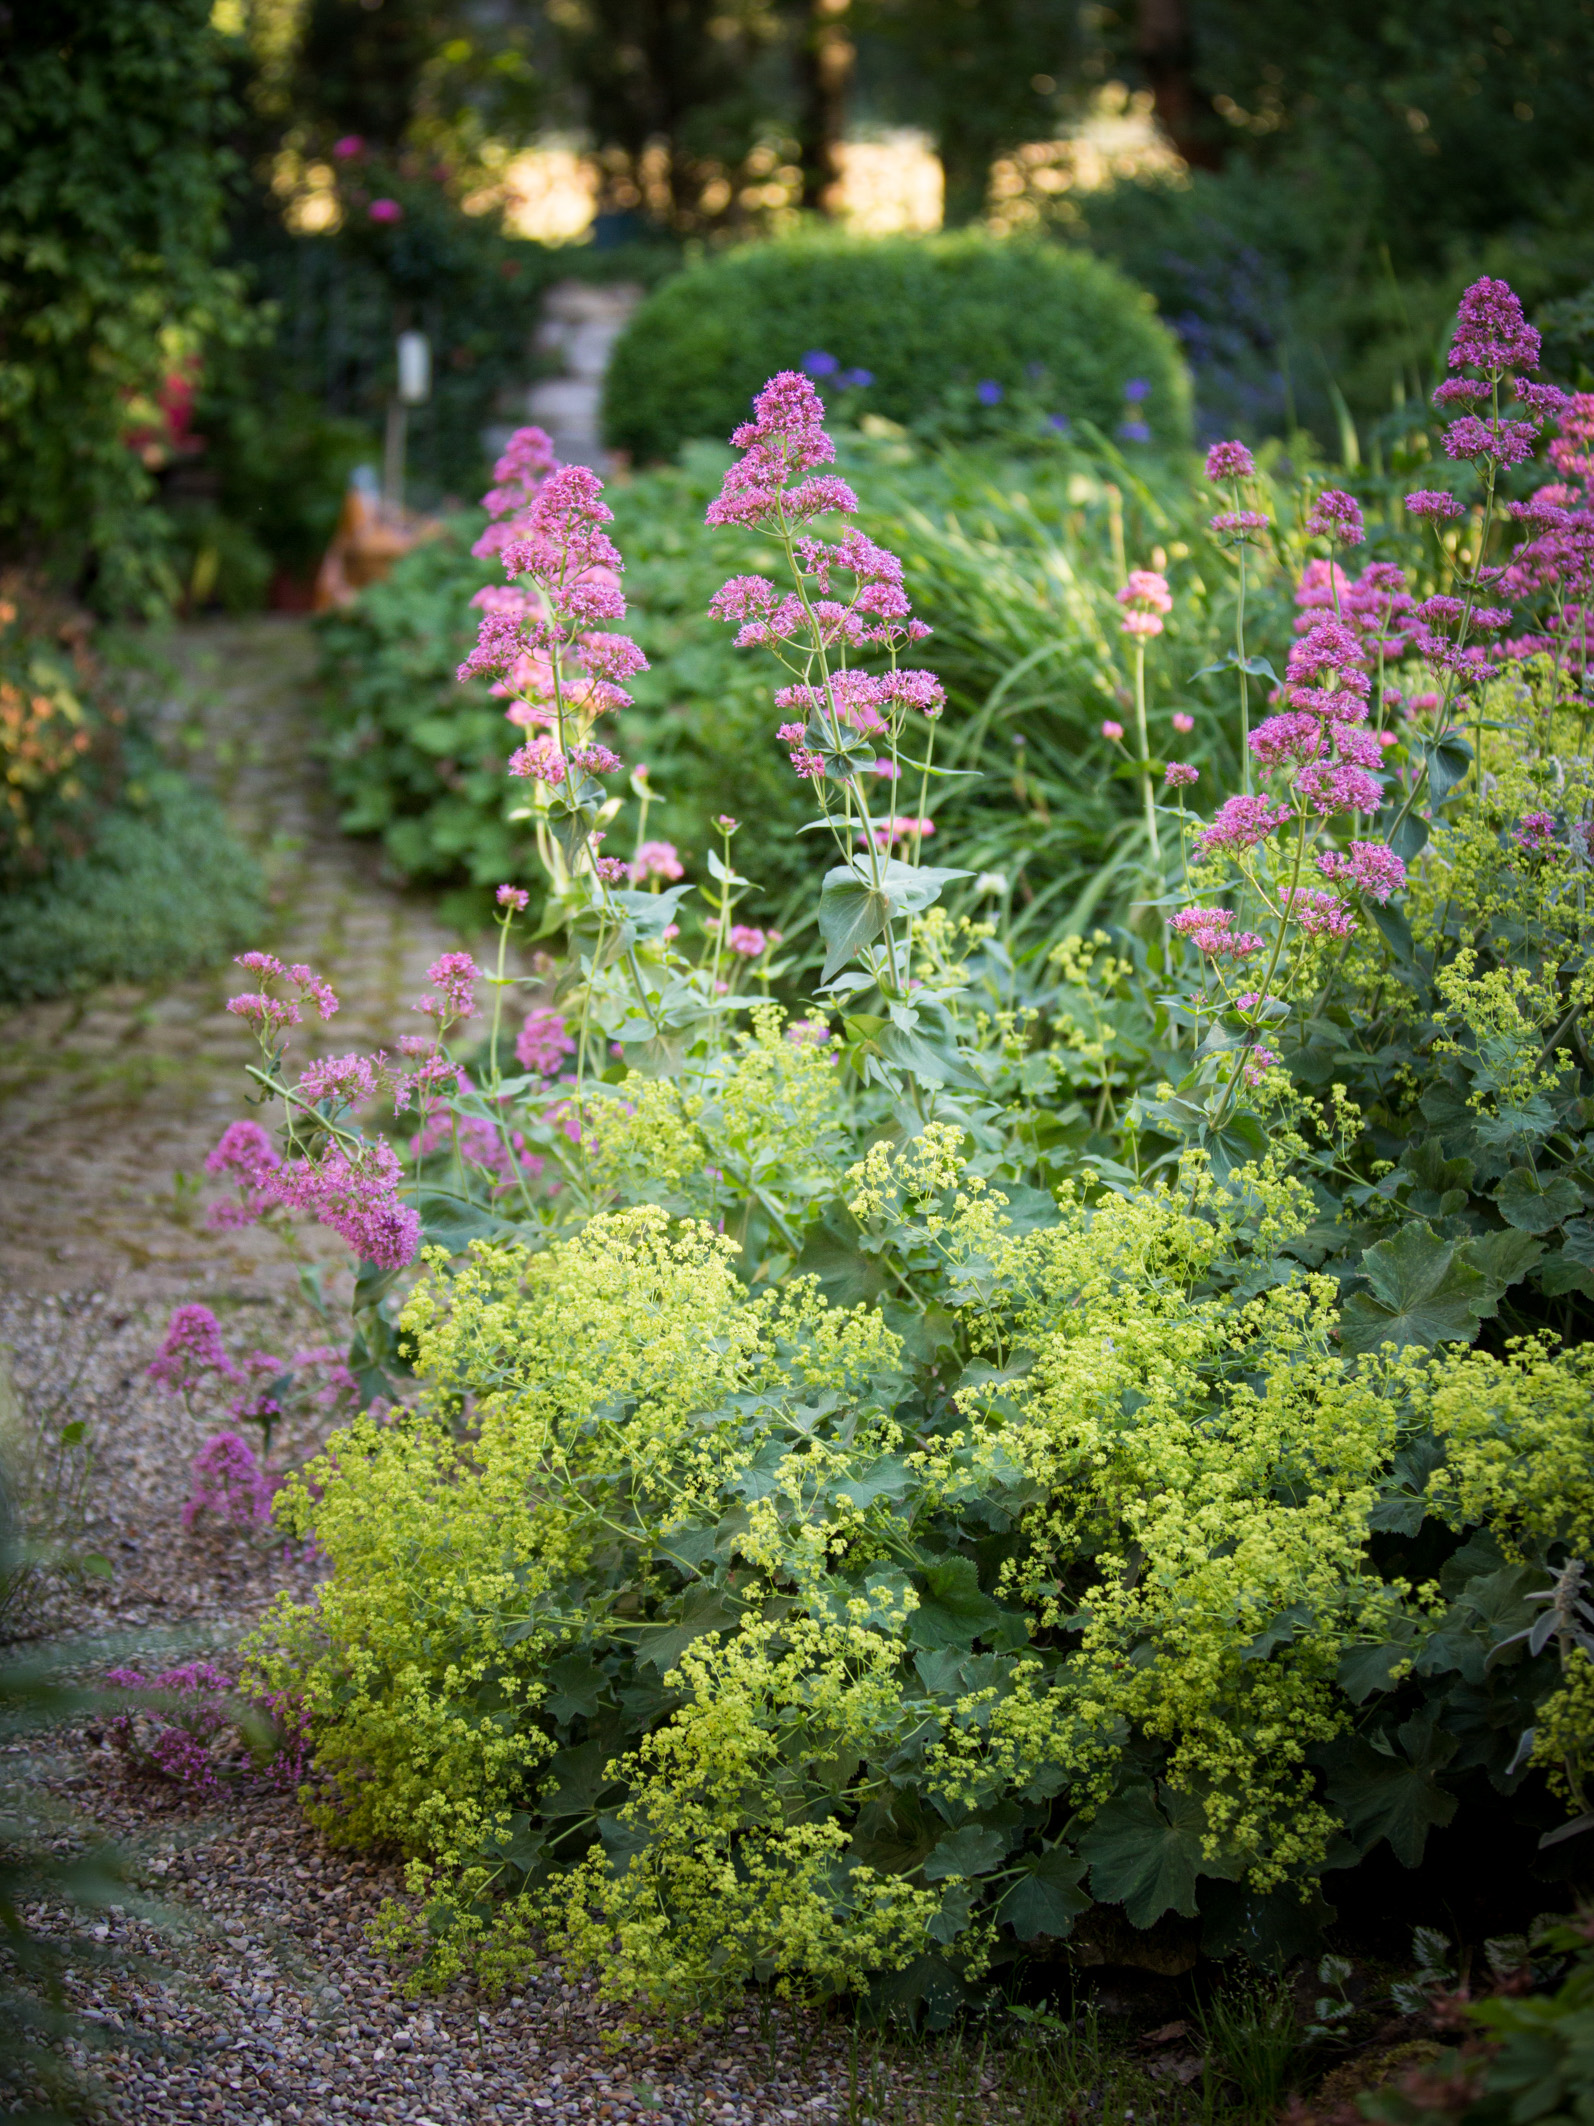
(703, 1636)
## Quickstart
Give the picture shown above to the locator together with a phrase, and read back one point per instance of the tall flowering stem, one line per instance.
(1317, 757)
(542, 641)
(1492, 338)
(845, 725)
(1231, 463)
(1145, 599)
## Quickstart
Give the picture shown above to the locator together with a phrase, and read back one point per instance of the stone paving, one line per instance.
(109, 1103)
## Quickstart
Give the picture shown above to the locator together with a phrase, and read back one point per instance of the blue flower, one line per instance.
(1137, 389)
(855, 379)
(818, 363)
(1134, 431)
(1060, 422)
(989, 393)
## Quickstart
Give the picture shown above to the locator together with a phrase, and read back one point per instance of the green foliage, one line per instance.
(873, 1493)
(922, 315)
(110, 220)
(730, 1634)
(1529, 2056)
(60, 733)
(1436, 124)
(1011, 562)
(114, 866)
(162, 889)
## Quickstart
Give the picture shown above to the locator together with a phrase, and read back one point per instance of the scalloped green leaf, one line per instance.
(1048, 1897)
(1423, 1292)
(1147, 1857)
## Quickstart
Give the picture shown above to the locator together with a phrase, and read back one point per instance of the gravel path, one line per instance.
(271, 2005)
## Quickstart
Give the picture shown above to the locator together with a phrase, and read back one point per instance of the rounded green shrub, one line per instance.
(929, 318)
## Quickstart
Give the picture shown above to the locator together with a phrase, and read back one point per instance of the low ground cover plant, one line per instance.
(849, 1502)
(113, 865)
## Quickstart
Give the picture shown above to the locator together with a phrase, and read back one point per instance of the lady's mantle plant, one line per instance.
(875, 1490)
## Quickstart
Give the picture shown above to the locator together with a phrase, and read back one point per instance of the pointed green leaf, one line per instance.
(577, 1683)
(974, 1850)
(1395, 932)
(1410, 838)
(850, 914)
(702, 1609)
(1504, 1258)
(953, 1612)
(895, 1837)
(1448, 763)
(925, 1060)
(579, 1776)
(520, 1845)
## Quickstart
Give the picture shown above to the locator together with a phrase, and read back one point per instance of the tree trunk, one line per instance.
(1166, 51)
(825, 57)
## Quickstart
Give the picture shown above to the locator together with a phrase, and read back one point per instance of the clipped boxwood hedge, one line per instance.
(927, 317)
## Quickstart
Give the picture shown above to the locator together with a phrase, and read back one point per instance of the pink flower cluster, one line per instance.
(1536, 833)
(1368, 866)
(653, 860)
(543, 1042)
(245, 1153)
(527, 461)
(782, 445)
(1320, 737)
(1212, 932)
(272, 1015)
(1229, 461)
(1320, 914)
(1492, 335)
(774, 487)
(228, 1482)
(1241, 823)
(191, 1349)
(747, 941)
(456, 975)
(1145, 598)
(539, 636)
(196, 1737)
(1336, 516)
(888, 832)
(358, 1198)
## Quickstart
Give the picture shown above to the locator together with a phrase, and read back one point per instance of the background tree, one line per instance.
(1429, 120)
(112, 114)
(703, 83)
(980, 76)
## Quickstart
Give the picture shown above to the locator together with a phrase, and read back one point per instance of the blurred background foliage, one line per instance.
(1013, 550)
(217, 214)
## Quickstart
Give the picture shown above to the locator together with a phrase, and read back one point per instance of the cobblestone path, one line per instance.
(106, 1100)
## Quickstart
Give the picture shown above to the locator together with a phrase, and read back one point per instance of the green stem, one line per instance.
(1245, 679)
(504, 922)
(1145, 750)
(1266, 989)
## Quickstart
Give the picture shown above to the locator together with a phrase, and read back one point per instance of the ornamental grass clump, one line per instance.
(840, 1498)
